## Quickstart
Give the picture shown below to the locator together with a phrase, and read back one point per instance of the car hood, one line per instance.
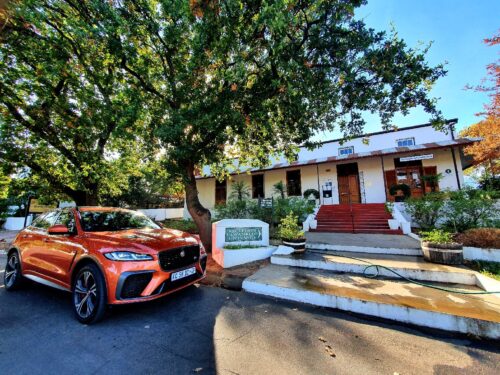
(148, 241)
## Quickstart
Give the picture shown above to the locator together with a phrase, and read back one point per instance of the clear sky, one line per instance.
(457, 29)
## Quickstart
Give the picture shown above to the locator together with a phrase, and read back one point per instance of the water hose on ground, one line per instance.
(377, 273)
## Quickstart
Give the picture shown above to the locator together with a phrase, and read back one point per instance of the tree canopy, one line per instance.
(210, 79)
(487, 152)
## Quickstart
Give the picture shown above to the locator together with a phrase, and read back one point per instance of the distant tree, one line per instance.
(487, 152)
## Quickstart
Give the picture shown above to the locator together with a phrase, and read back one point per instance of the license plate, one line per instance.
(184, 273)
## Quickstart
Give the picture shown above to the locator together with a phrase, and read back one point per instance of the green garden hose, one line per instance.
(377, 273)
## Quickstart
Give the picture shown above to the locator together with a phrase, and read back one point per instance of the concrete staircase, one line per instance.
(355, 218)
(340, 280)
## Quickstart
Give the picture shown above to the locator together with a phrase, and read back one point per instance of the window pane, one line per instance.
(46, 220)
(67, 219)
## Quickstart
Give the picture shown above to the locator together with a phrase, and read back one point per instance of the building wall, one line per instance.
(371, 168)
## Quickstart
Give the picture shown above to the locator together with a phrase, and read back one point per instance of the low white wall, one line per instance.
(160, 214)
(476, 253)
(16, 223)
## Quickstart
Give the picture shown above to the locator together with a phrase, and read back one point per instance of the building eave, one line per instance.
(457, 143)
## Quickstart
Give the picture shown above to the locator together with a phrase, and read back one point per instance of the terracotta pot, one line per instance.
(297, 244)
(450, 253)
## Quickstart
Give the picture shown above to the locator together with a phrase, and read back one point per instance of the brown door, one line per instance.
(220, 192)
(348, 181)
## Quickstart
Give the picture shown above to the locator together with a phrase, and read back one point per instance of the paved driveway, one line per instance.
(210, 330)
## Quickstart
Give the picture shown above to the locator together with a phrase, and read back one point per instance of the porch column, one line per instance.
(383, 177)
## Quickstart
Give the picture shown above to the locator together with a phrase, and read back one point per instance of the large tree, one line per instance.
(67, 111)
(260, 77)
(248, 78)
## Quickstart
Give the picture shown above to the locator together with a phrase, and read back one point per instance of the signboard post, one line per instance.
(35, 207)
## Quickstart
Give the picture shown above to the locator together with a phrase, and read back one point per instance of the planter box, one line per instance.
(298, 245)
(443, 253)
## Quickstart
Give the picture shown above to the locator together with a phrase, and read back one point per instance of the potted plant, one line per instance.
(438, 247)
(432, 180)
(400, 192)
(292, 234)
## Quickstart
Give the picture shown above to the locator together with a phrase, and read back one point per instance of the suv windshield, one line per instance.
(103, 221)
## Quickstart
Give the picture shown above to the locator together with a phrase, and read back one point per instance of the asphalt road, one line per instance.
(209, 330)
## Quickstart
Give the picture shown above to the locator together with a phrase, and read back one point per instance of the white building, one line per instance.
(360, 170)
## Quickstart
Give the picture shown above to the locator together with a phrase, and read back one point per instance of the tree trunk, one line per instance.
(85, 197)
(201, 216)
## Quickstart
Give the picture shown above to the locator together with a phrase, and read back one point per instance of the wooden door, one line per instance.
(220, 192)
(349, 189)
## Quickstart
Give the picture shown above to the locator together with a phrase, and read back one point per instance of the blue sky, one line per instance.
(457, 29)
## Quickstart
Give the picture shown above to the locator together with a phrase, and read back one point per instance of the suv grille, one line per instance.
(179, 257)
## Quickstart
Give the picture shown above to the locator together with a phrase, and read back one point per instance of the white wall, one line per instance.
(16, 223)
(160, 214)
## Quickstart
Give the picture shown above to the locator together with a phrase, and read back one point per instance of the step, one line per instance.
(320, 246)
(412, 267)
(396, 300)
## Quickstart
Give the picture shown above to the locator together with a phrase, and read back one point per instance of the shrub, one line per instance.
(299, 207)
(437, 236)
(480, 237)
(468, 208)
(309, 192)
(239, 191)
(183, 225)
(279, 188)
(389, 207)
(234, 209)
(425, 211)
(289, 229)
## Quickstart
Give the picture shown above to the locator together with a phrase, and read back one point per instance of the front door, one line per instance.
(411, 176)
(348, 182)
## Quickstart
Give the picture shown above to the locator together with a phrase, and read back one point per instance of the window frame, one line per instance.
(297, 186)
(346, 148)
(405, 139)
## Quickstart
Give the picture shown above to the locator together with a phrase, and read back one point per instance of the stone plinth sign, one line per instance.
(239, 241)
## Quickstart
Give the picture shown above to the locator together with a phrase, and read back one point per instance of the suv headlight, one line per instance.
(127, 256)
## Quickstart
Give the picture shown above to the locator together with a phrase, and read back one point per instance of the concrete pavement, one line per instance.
(209, 330)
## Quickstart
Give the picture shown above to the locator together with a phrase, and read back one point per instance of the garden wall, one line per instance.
(160, 214)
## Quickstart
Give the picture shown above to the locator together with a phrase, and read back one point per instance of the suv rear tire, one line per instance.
(12, 277)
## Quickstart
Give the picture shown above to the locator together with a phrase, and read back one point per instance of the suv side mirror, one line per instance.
(58, 229)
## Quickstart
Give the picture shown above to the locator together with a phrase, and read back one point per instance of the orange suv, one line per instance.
(104, 256)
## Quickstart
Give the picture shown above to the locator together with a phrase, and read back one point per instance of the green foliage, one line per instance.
(66, 110)
(404, 188)
(432, 180)
(238, 247)
(183, 225)
(468, 209)
(490, 269)
(437, 236)
(250, 209)
(239, 191)
(299, 207)
(289, 229)
(426, 210)
(235, 209)
(311, 192)
(279, 188)
(389, 207)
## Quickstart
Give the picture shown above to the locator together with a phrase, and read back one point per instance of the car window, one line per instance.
(66, 218)
(46, 220)
(100, 221)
